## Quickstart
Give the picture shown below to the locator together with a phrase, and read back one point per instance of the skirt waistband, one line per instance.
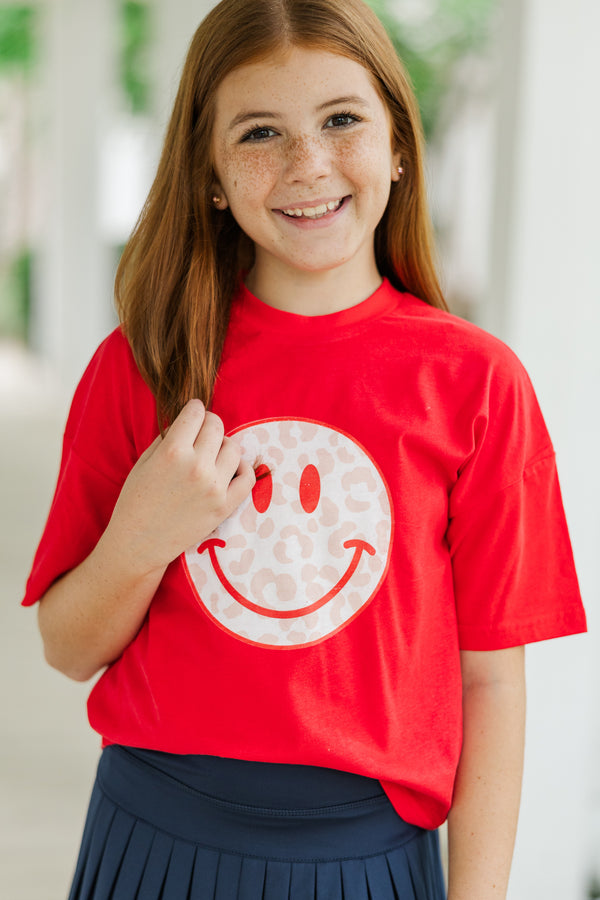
(358, 822)
(259, 784)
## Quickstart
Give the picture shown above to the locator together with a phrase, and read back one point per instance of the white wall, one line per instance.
(175, 22)
(545, 303)
(73, 272)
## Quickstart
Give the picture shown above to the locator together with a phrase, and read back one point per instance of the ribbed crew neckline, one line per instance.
(249, 310)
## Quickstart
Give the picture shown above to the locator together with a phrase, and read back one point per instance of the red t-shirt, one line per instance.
(411, 510)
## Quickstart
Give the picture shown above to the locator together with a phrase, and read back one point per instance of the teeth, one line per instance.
(313, 212)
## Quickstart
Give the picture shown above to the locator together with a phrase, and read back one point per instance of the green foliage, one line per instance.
(431, 46)
(594, 889)
(18, 43)
(135, 38)
(15, 296)
(19, 46)
(18, 53)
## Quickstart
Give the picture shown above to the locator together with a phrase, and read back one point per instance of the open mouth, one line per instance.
(314, 212)
(359, 546)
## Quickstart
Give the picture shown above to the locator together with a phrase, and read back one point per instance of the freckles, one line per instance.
(348, 153)
(261, 168)
(358, 159)
(247, 173)
(300, 150)
(354, 164)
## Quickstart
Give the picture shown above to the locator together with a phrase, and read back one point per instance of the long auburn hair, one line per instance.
(181, 266)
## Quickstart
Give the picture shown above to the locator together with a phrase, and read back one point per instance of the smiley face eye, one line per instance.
(263, 489)
(310, 489)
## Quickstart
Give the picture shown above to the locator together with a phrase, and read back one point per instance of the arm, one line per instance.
(181, 488)
(483, 818)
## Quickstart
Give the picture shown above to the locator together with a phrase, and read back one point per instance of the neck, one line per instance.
(313, 293)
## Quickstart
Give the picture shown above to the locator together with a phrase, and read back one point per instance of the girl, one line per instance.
(305, 518)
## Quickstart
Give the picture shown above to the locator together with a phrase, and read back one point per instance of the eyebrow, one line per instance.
(246, 117)
(265, 114)
(353, 100)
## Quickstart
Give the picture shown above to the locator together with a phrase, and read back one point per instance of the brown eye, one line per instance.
(310, 489)
(263, 489)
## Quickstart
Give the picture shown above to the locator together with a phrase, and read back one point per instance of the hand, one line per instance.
(183, 486)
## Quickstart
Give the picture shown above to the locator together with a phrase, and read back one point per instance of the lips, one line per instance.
(313, 212)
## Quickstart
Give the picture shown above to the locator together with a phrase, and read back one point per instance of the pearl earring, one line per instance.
(216, 200)
(400, 170)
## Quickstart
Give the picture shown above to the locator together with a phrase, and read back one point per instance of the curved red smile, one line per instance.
(359, 548)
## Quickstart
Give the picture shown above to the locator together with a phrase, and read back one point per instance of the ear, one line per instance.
(218, 198)
(396, 167)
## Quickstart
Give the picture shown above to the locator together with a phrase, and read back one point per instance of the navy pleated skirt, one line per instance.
(206, 828)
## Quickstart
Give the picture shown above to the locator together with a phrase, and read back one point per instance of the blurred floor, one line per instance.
(48, 751)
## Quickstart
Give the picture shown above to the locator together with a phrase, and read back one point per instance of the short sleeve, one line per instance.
(111, 421)
(513, 569)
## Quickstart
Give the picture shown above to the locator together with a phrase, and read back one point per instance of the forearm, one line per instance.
(483, 819)
(90, 615)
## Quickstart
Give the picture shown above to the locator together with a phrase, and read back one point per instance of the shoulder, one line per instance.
(113, 355)
(459, 346)
(474, 380)
(112, 363)
(110, 394)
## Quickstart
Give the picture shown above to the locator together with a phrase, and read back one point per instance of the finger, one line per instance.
(186, 427)
(228, 459)
(210, 437)
(241, 485)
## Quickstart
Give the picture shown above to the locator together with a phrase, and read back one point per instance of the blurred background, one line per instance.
(509, 96)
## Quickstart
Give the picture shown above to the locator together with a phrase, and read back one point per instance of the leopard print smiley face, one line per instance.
(306, 552)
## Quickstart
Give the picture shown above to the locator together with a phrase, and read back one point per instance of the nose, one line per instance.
(307, 159)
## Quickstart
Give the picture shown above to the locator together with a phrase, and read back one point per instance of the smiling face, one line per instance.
(304, 555)
(302, 149)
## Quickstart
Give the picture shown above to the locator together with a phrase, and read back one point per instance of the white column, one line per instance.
(546, 304)
(175, 22)
(73, 277)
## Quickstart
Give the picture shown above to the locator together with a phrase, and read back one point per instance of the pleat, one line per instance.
(354, 880)
(426, 867)
(303, 881)
(115, 849)
(82, 861)
(252, 879)
(204, 877)
(179, 874)
(155, 870)
(228, 877)
(405, 877)
(95, 835)
(277, 880)
(379, 880)
(329, 881)
(134, 862)
(417, 867)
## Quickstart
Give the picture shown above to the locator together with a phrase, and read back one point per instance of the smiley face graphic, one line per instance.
(306, 552)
